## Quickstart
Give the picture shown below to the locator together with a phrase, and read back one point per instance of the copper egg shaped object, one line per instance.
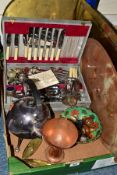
(60, 132)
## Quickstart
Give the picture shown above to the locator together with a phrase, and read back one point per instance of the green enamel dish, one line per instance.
(86, 121)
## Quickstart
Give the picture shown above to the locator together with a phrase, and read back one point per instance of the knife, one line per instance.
(36, 43)
(25, 41)
(48, 43)
(16, 43)
(8, 42)
(30, 42)
(79, 48)
(54, 42)
(45, 44)
(59, 43)
(42, 42)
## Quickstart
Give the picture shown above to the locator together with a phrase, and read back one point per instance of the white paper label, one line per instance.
(44, 79)
(104, 162)
(74, 164)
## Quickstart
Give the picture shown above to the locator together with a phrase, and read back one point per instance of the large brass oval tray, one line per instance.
(50, 9)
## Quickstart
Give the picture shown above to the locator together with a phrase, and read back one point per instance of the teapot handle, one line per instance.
(35, 92)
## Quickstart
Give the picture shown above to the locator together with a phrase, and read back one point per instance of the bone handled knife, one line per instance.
(36, 43)
(16, 44)
(47, 53)
(70, 72)
(25, 41)
(35, 52)
(54, 42)
(8, 43)
(48, 43)
(45, 44)
(41, 52)
(42, 43)
(30, 42)
(59, 43)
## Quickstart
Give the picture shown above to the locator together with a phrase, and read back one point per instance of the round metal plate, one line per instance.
(50, 9)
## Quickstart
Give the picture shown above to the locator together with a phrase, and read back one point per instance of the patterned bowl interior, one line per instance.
(86, 121)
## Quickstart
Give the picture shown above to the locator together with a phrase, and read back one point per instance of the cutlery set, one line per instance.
(39, 44)
(35, 47)
(43, 44)
(66, 80)
(72, 46)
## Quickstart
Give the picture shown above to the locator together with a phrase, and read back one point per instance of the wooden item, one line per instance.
(101, 80)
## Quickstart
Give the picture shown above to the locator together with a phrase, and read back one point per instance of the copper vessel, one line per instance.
(60, 134)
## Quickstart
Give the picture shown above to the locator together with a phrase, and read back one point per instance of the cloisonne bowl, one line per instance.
(86, 121)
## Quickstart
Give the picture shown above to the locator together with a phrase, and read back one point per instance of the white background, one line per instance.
(109, 9)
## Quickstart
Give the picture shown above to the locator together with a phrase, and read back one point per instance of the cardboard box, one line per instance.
(77, 159)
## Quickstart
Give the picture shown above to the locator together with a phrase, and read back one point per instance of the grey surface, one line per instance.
(112, 170)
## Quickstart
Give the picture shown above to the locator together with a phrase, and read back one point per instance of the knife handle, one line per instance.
(7, 52)
(58, 54)
(25, 51)
(29, 53)
(35, 53)
(70, 72)
(75, 73)
(16, 53)
(40, 53)
(46, 54)
(52, 54)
